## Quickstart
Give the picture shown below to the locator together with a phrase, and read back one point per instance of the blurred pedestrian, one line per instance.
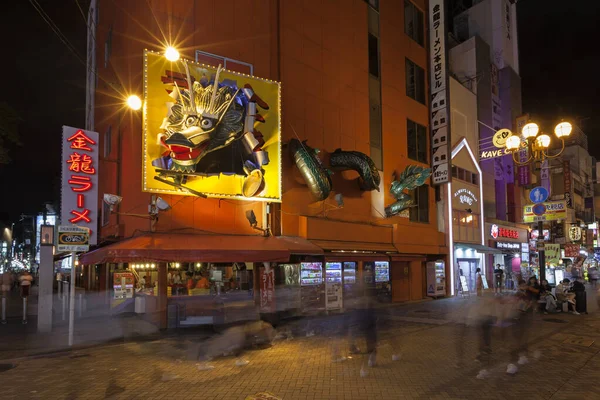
(498, 275)
(25, 281)
(479, 282)
(527, 298)
(6, 283)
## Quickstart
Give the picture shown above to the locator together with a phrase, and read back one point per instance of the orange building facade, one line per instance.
(340, 65)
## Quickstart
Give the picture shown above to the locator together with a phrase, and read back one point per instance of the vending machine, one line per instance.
(436, 278)
(333, 285)
(312, 292)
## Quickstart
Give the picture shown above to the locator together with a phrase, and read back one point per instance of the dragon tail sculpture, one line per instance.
(359, 162)
(410, 179)
(311, 169)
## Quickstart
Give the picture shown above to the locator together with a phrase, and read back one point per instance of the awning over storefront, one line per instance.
(355, 251)
(339, 246)
(167, 247)
(479, 248)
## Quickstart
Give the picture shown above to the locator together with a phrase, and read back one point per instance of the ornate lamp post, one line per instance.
(537, 148)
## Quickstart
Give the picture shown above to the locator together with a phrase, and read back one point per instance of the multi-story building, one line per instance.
(352, 78)
(484, 59)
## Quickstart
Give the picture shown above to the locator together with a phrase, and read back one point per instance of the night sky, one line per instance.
(45, 83)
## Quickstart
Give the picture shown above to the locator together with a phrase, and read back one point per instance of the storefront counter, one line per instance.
(207, 309)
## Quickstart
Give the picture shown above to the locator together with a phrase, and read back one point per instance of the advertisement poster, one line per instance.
(552, 252)
(123, 283)
(267, 290)
(572, 250)
(210, 132)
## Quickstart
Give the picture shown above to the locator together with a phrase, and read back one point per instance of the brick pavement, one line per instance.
(437, 363)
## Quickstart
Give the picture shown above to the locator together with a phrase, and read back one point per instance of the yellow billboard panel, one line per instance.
(210, 132)
(547, 211)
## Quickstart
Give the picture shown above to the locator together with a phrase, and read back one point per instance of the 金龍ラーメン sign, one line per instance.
(210, 132)
(79, 191)
(552, 211)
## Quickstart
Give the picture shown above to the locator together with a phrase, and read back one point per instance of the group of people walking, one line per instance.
(13, 280)
(512, 314)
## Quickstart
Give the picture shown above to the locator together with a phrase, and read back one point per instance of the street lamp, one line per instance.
(537, 148)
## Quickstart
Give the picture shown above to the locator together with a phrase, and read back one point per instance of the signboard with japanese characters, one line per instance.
(79, 192)
(552, 251)
(439, 121)
(545, 175)
(572, 250)
(524, 171)
(568, 183)
(547, 211)
(511, 234)
(72, 238)
(267, 289)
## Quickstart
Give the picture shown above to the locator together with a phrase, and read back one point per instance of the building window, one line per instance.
(465, 218)
(415, 81)
(417, 141)
(373, 55)
(374, 4)
(108, 142)
(413, 22)
(464, 175)
(375, 136)
(108, 47)
(214, 60)
(420, 213)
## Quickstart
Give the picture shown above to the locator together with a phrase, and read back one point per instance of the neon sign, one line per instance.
(80, 179)
(465, 196)
(497, 232)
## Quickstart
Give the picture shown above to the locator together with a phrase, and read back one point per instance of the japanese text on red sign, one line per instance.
(81, 164)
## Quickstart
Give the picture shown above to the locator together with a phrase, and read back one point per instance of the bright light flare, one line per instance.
(171, 54)
(134, 102)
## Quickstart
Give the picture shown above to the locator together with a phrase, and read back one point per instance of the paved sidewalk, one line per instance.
(437, 363)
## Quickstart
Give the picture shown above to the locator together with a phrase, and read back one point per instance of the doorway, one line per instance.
(467, 267)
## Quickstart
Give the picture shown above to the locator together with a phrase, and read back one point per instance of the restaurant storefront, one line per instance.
(512, 242)
(195, 279)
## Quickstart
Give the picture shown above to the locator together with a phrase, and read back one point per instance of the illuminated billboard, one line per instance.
(210, 132)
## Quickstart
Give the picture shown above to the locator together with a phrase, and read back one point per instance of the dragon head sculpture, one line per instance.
(203, 118)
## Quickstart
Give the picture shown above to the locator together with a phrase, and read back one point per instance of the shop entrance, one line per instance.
(468, 268)
(400, 281)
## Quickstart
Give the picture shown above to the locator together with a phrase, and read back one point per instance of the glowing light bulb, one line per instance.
(543, 141)
(513, 143)
(530, 130)
(171, 54)
(134, 102)
(563, 129)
